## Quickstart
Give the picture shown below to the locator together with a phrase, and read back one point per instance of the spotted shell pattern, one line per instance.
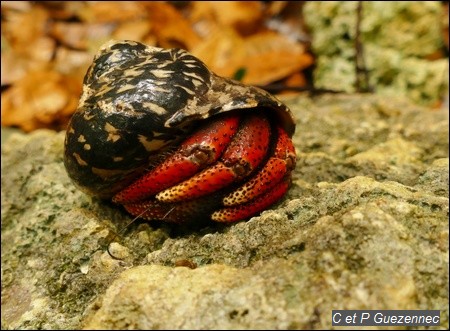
(139, 100)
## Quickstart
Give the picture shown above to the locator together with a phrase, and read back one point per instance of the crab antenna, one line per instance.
(117, 234)
(168, 213)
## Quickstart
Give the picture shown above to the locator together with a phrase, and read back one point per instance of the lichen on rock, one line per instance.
(399, 38)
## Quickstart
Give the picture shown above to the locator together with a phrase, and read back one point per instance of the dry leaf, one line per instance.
(25, 26)
(243, 16)
(63, 10)
(47, 47)
(271, 56)
(296, 80)
(79, 35)
(73, 62)
(170, 27)
(265, 57)
(24, 43)
(16, 5)
(112, 11)
(223, 52)
(275, 7)
(41, 99)
(19, 58)
(134, 30)
(289, 21)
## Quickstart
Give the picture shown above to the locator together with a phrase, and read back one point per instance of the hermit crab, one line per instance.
(157, 132)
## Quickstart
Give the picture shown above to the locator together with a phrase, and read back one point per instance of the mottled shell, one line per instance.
(136, 101)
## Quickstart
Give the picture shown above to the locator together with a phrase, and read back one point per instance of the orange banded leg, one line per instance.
(204, 147)
(265, 188)
(245, 152)
(275, 169)
(241, 212)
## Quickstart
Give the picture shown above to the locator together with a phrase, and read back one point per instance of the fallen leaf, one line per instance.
(19, 58)
(70, 62)
(41, 99)
(243, 16)
(271, 56)
(265, 57)
(15, 5)
(22, 27)
(135, 30)
(80, 35)
(223, 52)
(170, 27)
(112, 11)
(63, 10)
(296, 80)
(47, 47)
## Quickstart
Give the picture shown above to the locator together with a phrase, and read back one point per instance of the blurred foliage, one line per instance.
(47, 46)
(404, 46)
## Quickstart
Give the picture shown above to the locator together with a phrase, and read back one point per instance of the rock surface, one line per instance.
(365, 226)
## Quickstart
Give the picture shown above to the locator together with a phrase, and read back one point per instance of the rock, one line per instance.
(364, 226)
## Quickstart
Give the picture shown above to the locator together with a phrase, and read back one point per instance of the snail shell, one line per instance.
(139, 100)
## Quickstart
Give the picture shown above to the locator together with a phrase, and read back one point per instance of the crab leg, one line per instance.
(245, 152)
(240, 212)
(176, 213)
(204, 147)
(265, 188)
(282, 162)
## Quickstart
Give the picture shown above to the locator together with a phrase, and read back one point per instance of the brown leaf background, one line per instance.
(48, 46)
